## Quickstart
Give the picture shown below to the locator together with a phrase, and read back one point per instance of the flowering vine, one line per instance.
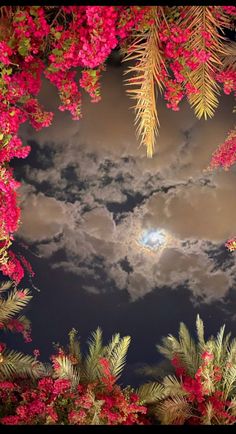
(69, 45)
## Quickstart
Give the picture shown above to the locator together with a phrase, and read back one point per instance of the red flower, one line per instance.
(207, 356)
(2, 347)
(36, 353)
(61, 385)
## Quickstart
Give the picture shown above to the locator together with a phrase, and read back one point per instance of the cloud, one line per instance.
(97, 191)
(43, 217)
(195, 212)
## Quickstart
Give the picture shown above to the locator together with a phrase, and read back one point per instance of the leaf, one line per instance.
(173, 411)
(13, 304)
(229, 57)
(146, 74)
(173, 387)
(111, 346)
(219, 345)
(208, 415)
(188, 351)
(200, 332)
(198, 19)
(68, 371)
(5, 286)
(74, 345)
(170, 346)
(57, 35)
(150, 392)
(118, 356)
(96, 350)
(229, 382)
(20, 365)
(57, 52)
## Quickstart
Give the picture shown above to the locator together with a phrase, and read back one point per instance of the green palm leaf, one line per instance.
(5, 286)
(111, 346)
(229, 58)
(200, 333)
(13, 304)
(68, 371)
(118, 356)
(173, 411)
(17, 364)
(208, 415)
(173, 387)
(188, 351)
(229, 382)
(150, 392)
(96, 351)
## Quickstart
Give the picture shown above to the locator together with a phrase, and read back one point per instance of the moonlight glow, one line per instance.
(153, 239)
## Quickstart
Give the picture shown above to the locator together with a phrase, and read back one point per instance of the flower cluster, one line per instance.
(90, 82)
(204, 389)
(20, 324)
(225, 155)
(69, 46)
(181, 60)
(231, 244)
(33, 43)
(55, 401)
(228, 78)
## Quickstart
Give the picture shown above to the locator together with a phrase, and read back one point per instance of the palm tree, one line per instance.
(203, 390)
(12, 363)
(72, 365)
(150, 63)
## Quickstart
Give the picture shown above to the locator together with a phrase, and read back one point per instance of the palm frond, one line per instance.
(74, 345)
(155, 371)
(172, 386)
(170, 346)
(200, 333)
(232, 407)
(96, 351)
(110, 347)
(146, 74)
(229, 57)
(5, 286)
(14, 363)
(229, 382)
(95, 419)
(220, 347)
(13, 304)
(188, 354)
(68, 371)
(231, 352)
(208, 415)
(150, 392)
(200, 18)
(185, 348)
(173, 411)
(118, 356)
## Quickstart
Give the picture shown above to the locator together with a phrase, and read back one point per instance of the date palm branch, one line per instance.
(200, 19)
(146, 53)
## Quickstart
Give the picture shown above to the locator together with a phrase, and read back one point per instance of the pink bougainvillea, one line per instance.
(59, 41)
(55, 401)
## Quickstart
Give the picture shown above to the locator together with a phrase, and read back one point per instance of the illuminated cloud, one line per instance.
(103, 194)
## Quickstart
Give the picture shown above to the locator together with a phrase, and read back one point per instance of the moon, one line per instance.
(153, 239)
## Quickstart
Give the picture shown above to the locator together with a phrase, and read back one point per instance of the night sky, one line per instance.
(88, 193)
